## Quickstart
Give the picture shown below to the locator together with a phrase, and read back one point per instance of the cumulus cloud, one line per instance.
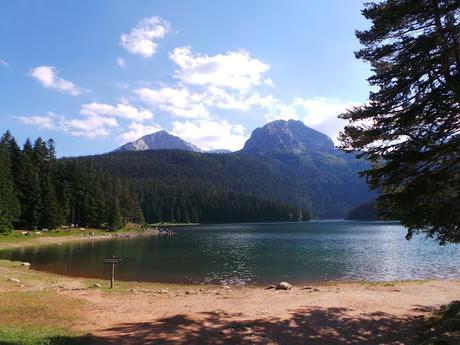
(317, 112)
(41, 122)
(234, 69)
(121, 62)
(211, 134)
(138, 130)
(120, 110)
(179, 102)
(141, 40)
(220, 98)
(48, 77)
(89, 127)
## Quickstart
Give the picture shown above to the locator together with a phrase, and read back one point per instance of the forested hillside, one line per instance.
(39, 191)
(283, 161)
(329, 187)
(285, 172)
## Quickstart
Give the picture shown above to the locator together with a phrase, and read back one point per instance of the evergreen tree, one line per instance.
(114, 213)
(115, 219)
(28, 186)
(410, 128)
(9, 205)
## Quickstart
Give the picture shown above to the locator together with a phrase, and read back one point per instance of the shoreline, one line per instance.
(138, 312)
(57, 238)
(135, 312)
(88, 236)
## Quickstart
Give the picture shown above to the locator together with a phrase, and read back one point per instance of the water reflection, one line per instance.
(257, 254)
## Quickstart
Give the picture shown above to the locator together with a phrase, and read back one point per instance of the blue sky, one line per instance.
(95, 74)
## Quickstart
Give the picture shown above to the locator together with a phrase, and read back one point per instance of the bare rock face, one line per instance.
(161, 140)
(287, 136)
(283, 286)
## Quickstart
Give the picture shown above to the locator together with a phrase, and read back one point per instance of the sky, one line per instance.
(94, 74)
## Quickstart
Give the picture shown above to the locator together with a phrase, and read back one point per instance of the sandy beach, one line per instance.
(153, 313)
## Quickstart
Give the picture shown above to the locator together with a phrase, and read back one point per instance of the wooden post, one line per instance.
(113, 276)
(114, 261)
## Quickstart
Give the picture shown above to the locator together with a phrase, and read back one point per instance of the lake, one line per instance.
(256, 254)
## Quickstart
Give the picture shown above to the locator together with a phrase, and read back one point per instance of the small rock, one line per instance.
(226, 287)
(15, 280)
(201, 290)
(95, 285)
(270, 287)
(307, 288)
(226, 331)
(26, 264)
(22, 285)
(284, 286)
(163, 291)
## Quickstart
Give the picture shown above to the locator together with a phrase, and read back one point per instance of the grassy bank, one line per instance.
(29, 318)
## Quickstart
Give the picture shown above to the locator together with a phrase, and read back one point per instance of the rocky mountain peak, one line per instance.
(287, 136)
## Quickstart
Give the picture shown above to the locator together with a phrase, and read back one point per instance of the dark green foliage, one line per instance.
(28, 188)
(410, 128)
(52, 193)
(105, 191)
(9, 205)
(326, 183)
(366, 211)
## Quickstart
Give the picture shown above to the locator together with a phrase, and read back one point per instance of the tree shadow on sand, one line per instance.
(308, 325)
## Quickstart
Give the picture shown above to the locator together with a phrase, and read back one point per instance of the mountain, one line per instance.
(157, 141)
(288, 137)
(283, 161)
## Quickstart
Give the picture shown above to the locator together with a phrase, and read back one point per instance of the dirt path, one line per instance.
(153, 313)
(343, 313)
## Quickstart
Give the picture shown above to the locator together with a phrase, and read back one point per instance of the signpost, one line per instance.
(114, 261)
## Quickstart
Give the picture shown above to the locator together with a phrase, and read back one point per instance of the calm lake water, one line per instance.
(257, 254)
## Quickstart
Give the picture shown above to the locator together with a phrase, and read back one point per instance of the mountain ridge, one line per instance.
(284, 161)
(158, 141)
(276, 136)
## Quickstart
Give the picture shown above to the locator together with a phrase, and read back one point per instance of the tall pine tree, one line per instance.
(410, 128)
(9, 205)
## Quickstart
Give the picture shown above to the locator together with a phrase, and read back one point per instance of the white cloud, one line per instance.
(141, 39)
(41, 122)
(177, 102)
(120, 110)
(220, 98)
(121, 62)
(138, 130)
(48, 77)
(269, 82)
(3, 63)
(211, 134)
(89, 127)
(317, 112)
(234, 69)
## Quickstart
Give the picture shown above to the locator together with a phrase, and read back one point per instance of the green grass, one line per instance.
(38, 318)
(42, 335)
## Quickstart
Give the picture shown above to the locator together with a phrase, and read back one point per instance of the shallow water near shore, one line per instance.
(256, 254)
